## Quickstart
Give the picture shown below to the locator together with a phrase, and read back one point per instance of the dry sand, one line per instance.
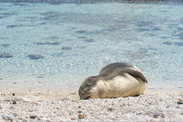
(45, 105)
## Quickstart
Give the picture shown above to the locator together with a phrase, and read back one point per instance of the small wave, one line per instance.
(95, 1)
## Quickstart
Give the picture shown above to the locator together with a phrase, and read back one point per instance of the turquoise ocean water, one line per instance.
(64, 43)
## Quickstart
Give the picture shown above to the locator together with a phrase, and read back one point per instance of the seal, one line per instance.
(114, 80)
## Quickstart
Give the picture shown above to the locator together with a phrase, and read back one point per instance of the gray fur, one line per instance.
(115, 69)
(108, 73)
(113, 66)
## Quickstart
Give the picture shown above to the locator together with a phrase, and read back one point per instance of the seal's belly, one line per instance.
(122, 86)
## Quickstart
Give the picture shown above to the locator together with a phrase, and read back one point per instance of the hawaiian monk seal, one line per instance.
(114, 80)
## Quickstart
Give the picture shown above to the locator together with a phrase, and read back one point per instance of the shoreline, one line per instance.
(68, 86)
(54, 105)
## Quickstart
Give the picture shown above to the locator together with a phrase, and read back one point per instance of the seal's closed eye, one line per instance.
(86, 89)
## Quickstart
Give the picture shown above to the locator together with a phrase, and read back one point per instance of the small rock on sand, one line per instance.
(157, 114)
(80, 116)
(14, 102)
(7, 118)
(73, 119)
(33, 116)
(79, 111)
(180, 101)
(110, 109)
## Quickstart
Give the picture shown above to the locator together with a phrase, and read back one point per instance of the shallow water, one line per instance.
(66, 43)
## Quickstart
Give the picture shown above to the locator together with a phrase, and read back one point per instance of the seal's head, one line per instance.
(88, 88)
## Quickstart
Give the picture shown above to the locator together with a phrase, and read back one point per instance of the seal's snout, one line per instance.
(86, 88)
(84, 94)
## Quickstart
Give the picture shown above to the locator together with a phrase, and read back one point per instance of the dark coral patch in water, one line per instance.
(20, 4)
(179, 43)
(89, 40)
(53, 38)
(82, 37)
(5, 55)
(66, 48)
(5, 45)
(42, 23)
(13, 26)
(176, 43)
(179, 35)
(58, 54)
(145, 24)
(144, 29)
(81, 47)
(7, 14)
(54, 2)
(2, 9)
(167, 43)
(48, 43)
(35, 56)
(49, 15)
(81, 31)
(165, 37)
(156, 29)
(180, 28)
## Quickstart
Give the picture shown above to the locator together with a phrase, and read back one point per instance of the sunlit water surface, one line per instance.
(62, 44)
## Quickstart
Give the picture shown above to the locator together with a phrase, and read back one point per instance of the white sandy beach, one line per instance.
(50, 105)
